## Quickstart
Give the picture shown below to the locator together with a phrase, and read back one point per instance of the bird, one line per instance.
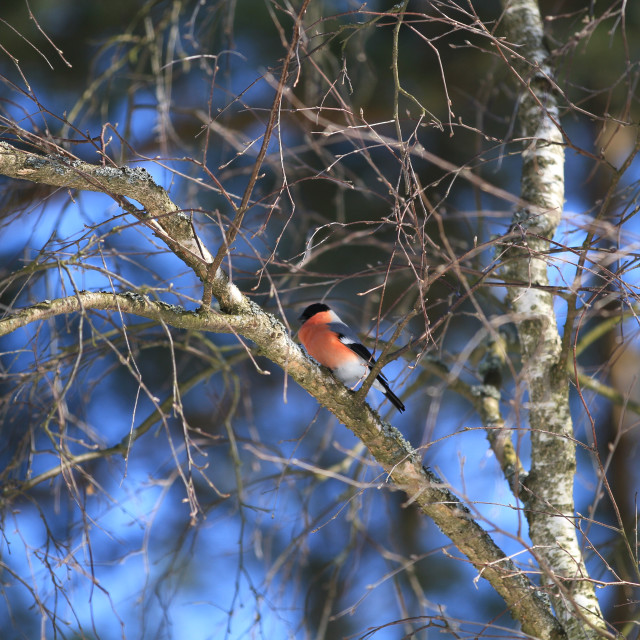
(329, 341)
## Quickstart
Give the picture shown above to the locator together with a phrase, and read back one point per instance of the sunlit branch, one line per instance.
(241, 317)
(386, 444)
(160, 213)
(129, 302)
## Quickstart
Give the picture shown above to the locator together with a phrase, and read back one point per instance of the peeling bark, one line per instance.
(548, 491)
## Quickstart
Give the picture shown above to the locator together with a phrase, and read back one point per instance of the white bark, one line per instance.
(548, 492)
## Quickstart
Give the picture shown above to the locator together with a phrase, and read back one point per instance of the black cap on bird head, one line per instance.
(311, 311)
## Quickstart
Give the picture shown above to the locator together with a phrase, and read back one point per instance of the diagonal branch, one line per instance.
(401, 462)
(159, 212)
(242, 317)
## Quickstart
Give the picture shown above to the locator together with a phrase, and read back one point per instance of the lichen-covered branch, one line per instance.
(401, 463)
(549, 486)
(129, 302)
(240, 316)
(159, 212)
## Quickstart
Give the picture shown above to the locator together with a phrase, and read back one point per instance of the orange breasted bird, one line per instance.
(330, 342)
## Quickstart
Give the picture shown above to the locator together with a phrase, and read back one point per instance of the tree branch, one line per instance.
(386, 444)
(160, 213)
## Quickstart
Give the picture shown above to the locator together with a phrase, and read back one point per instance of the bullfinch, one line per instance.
(330, 341)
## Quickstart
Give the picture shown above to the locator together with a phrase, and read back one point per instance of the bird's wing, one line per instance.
(348, 338)
(344, 333)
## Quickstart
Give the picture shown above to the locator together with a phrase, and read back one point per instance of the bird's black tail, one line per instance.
(393, 398)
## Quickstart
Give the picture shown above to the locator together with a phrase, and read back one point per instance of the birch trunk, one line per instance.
(548, 490)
